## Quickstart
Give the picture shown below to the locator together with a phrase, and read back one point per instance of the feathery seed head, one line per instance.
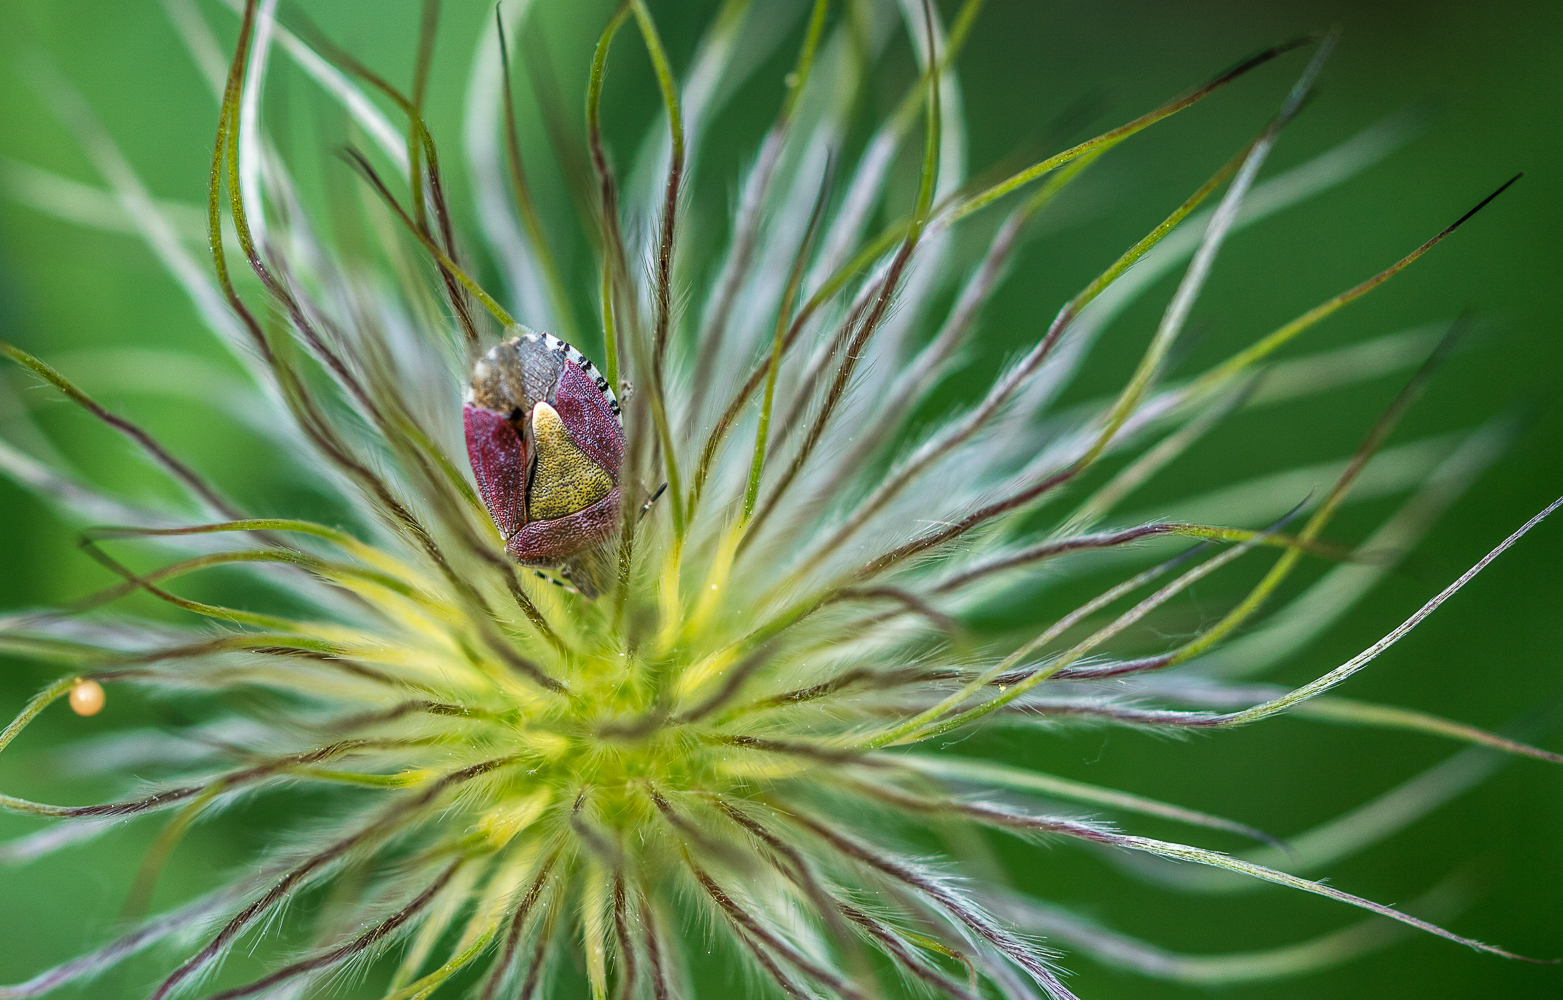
(675, 660)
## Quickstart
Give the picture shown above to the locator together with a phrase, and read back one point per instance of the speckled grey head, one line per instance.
(524, 370)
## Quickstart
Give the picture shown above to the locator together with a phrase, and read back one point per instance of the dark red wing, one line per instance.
(584, 410)
(499, 461)
(544, 543)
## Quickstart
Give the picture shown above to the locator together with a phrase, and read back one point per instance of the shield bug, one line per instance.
(546, 439)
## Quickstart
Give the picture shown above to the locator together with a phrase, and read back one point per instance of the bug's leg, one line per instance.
(555, 581)
(592, 569)
(645, 508)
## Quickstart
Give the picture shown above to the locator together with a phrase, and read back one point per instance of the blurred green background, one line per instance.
(1495, 81)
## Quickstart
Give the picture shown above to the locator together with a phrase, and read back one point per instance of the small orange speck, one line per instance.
(87, 698)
